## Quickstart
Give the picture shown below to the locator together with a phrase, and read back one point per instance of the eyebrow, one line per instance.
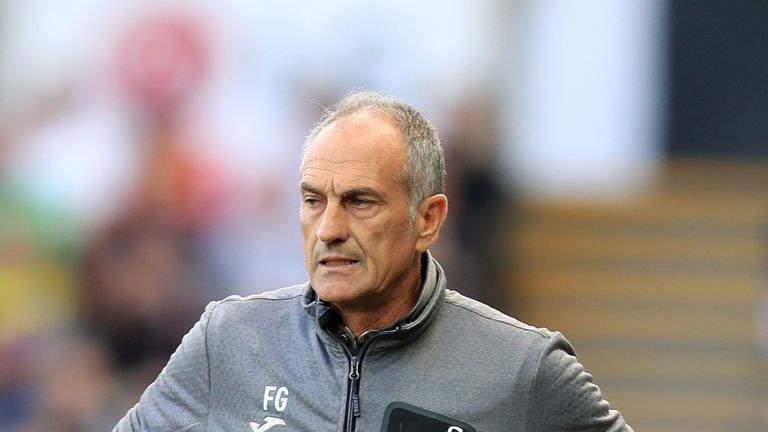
(305, 187)
(356, 192)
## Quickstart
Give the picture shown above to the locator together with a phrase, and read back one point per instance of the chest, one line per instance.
(261, 386)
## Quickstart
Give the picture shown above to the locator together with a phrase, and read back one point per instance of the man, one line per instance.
(374, 341)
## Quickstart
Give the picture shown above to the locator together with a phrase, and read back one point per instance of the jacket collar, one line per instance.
(432, 292)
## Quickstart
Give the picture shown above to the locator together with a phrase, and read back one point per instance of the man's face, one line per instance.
(358, 248)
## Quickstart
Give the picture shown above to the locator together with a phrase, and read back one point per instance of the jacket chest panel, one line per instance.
(465, 392)
(277, 390)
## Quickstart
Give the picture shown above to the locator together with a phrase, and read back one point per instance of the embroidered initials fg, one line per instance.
(278, 399)
(277, 396)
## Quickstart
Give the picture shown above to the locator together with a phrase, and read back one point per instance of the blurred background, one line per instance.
(607, 176)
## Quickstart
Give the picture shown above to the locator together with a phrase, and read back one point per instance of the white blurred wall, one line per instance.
(584, 119)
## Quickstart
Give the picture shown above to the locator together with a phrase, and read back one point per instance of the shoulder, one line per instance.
(286, 293)
(484, 322)
(266, 303)
(481, 314)
(483, 338)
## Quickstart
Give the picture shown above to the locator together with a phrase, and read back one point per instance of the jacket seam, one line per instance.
(524, 328)
(250, 299)
(208, 365)
(534, 383)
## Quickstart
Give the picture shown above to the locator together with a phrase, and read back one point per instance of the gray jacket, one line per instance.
(282, 361)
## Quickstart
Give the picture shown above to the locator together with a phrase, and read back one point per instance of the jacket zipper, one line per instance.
(353, 382)
(353, 410)
(353, 403)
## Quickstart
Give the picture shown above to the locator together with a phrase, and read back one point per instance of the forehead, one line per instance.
(365, 145)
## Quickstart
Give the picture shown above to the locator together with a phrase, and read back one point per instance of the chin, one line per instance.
(333, 292)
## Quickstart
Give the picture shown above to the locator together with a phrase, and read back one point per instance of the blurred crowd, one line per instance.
(120, 221)
(149, 156)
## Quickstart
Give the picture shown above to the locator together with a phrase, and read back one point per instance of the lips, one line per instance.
(337, 262)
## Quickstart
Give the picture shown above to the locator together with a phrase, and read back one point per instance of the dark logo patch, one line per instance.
(402, 417)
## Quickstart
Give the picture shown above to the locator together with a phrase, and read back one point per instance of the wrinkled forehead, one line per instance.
(370, 138)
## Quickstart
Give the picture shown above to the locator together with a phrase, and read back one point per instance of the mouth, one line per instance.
(337, 262)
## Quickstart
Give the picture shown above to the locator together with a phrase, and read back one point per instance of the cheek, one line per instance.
(308, 237)
(389, 241)
(306, 221)
(304, 230)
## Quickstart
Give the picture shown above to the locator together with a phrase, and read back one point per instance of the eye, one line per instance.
(311, 201)
(360, 203)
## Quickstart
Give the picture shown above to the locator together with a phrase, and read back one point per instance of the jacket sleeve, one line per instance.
(564, 396)
(178, 399)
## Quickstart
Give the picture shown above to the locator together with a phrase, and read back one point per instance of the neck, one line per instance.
(359, 322)
(384, 313)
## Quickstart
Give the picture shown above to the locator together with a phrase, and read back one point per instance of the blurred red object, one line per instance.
(162, 60)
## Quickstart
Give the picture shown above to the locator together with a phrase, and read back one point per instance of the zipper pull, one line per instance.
(354, 376)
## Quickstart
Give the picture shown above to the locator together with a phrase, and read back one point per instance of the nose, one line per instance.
(333, 224)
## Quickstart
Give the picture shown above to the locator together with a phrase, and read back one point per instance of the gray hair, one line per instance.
(424, 171)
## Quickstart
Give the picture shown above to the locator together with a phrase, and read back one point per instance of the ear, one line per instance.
(429, 219)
